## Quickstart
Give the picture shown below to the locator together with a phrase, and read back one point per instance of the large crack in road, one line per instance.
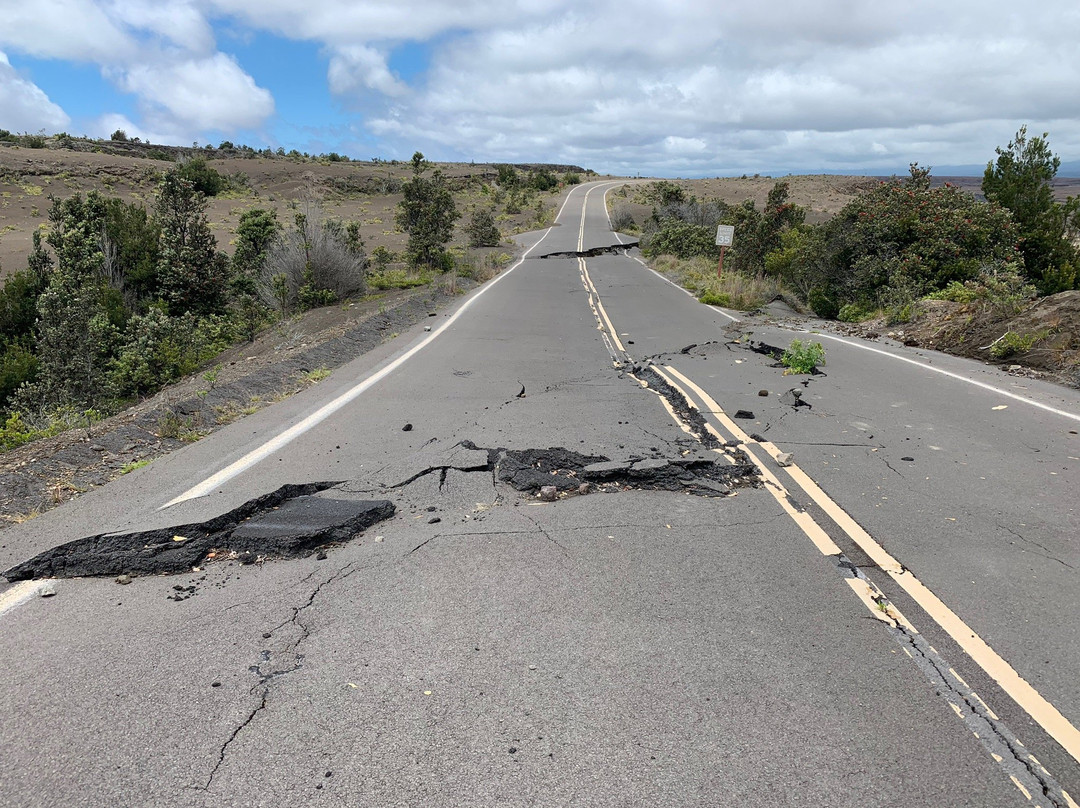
(592, 252)
(297, 520)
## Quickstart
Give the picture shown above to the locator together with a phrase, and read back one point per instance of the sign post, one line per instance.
(725, 235)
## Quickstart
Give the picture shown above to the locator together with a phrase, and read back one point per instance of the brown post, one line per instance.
(720, 266)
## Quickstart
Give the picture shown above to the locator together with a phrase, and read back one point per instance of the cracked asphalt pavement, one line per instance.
(577, 588)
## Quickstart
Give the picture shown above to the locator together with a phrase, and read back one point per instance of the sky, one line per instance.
(668, 88)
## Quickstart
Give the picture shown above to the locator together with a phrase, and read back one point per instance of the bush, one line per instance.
(119, 135)
(542, 180)
(311, 265)
(622, 220)
(855, 313)
(905, 234)
(1011, 344)
(482, 230)
(823, 304)
(398, 279)
(18, 366)
(159, 350)
(802, 357)
(572, 178)
(1002, 288)
(681, 239)
(205, 179)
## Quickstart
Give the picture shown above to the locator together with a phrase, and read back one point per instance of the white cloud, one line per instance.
(180, 22)
(199, 95)
(24, 107)
(354, 68)
(684, 85)
(64, 29)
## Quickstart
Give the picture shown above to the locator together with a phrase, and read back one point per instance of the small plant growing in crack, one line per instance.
(802, 357)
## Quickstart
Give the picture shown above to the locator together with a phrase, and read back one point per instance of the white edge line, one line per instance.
(957, 376)
(950, 374)
(282, 439)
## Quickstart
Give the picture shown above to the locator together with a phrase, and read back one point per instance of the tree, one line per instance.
(134, 250)
(1019, 180)
(482, 230)
(427, 213)
(74, 333)
(255, 235)
(191, 274)
(757, 233)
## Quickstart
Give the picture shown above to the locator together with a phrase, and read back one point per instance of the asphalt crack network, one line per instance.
(263, 686)
(993, 733)
(1048, 555)
(543, 532)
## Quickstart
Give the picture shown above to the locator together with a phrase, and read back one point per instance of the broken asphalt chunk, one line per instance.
(287, 522)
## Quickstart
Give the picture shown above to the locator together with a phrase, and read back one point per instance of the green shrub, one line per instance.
(33, 141)
(572, 178)
(1012, 344)
(203, 177)
(823, 304)
(20, 428)
(159, 350)
(711, 297)
(119, 135)
(855, 312)
(482, 230)
(18, 366)
(681, 239)
(802, 357)
(542, 180)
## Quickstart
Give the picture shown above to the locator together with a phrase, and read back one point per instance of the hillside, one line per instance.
(367, 193)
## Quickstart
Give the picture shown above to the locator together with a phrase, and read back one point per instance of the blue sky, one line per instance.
(675, 88)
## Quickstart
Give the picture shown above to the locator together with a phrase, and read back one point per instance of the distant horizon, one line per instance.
(1068, 170)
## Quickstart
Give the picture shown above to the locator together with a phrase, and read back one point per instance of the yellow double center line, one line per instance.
(1019, 689)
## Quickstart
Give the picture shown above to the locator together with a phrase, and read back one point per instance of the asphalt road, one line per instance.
(888, 621)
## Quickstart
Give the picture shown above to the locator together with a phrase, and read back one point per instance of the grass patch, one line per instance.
(127, 468)
(317, 375)
(171, 425)
(732, 291)
(232, 411)
(398, 279)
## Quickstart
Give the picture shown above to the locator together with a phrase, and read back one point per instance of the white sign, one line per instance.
(725, 235)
